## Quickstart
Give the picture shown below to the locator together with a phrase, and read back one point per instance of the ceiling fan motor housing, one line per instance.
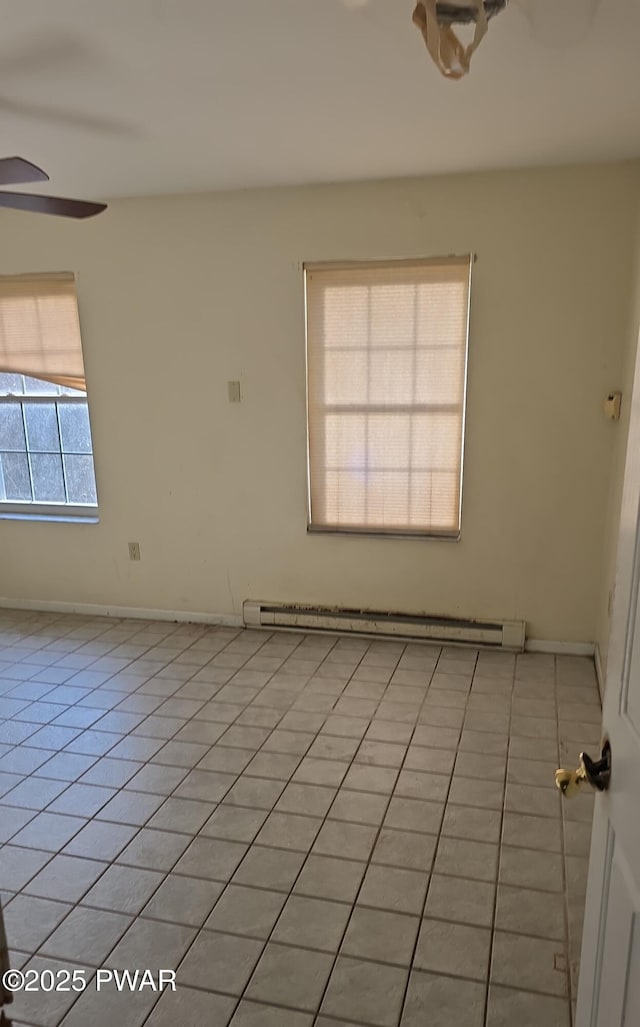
(451, 13)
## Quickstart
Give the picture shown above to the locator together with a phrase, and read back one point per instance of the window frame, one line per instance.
(378, 532)
(66, 371)
(15, 509)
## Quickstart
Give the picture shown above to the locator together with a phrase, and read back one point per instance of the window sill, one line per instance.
(61, 518)
(423, 536)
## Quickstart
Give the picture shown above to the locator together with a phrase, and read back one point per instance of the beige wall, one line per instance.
(180, 294)
(620, 432)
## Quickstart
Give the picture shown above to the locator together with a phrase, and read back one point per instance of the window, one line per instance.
(386, 382)
(46, 453)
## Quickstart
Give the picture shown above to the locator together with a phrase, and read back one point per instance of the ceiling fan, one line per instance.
(16, 170)
(554, 22)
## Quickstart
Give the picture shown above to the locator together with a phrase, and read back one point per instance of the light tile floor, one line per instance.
(311, 830)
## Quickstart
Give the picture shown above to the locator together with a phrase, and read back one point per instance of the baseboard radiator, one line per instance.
(508, 635)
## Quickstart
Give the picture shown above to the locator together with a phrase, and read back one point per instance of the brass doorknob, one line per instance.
(596, 773)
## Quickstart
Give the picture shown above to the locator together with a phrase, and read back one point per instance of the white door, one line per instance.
(609, 988)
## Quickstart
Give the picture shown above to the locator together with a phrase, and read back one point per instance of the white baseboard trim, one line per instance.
(540, 645)
(234, 620)
(231, 620)
(599, 671)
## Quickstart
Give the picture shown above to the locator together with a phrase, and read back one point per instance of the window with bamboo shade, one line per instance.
(386, 387)
(46, 450)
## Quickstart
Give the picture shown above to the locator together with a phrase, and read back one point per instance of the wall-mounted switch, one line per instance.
(234, 392)
(612, 406)
(134, 550)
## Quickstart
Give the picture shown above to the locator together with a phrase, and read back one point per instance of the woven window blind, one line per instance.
(386, 379)
(40, 330)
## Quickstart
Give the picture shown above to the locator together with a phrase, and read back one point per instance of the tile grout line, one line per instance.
(563, 859)
(165, 873)
(304, 862)
(111, 863)
(245, 704)
(143, 764)
(367, 862)
(265, 942)
(500, 844)
(411, 965)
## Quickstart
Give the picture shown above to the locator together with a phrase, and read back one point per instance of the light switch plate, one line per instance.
(612, 406)
(234, 391)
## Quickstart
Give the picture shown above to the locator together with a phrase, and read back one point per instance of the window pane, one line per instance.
(388, 499)
(74, 427)
(392, 377)
(388, 441)
(435, 496)
(392, 315)
(11, 427)
(346, 376)
(436, 441)
(344, 313)
(42, 427)
(38, 387)
(345, 441)
(441, 314)
(344, 498)
(439, 376)
(81, 482)
(48, 484)
(14, 477)
(11, 384)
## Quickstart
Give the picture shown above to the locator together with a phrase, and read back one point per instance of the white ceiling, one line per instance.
(132, 97)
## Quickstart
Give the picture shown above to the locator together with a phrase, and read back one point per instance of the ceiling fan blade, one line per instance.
(14, 170)
(51, 205)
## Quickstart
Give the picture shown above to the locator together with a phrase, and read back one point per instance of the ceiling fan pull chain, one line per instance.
(448, 53)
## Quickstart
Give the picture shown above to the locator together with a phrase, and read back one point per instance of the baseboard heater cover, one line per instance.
(447, 630)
